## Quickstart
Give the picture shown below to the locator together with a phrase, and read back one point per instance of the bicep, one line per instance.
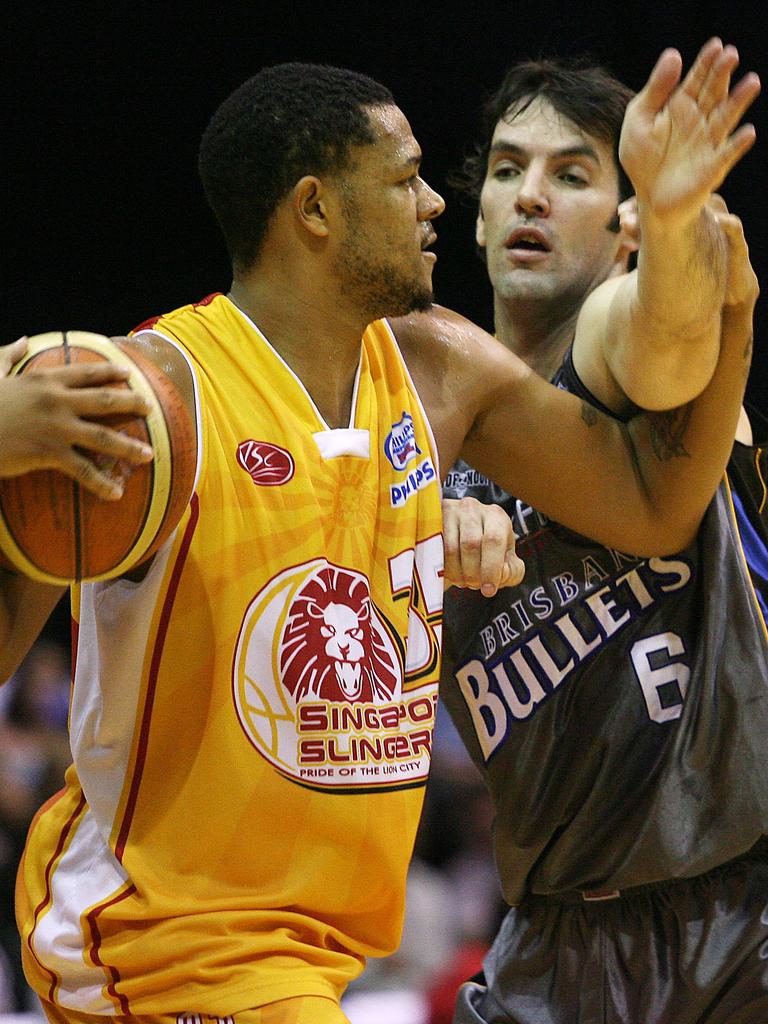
(594, 353)
(169, 360)
(560, 455)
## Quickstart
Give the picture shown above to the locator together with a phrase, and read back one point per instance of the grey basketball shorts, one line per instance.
(689, 951)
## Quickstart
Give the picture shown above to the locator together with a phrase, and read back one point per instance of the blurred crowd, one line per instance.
(453, 902)
(34, 754)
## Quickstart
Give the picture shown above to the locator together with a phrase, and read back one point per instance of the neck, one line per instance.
(539, 335)
(313, 332)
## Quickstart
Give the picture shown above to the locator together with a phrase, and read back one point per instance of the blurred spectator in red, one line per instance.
(441, 997)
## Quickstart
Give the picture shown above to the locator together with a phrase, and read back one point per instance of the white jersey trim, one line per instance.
(299, 381)
(115, 622)
(415, 390)
(87, 875)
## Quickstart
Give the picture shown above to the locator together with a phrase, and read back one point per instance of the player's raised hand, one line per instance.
(49, 419)
(681, 138)
(479, 547)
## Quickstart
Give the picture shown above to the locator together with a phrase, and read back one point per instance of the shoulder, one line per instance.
(444, 343)
(458, 369)
(151, 345)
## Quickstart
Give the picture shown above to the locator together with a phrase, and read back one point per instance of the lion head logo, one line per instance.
(333, 646)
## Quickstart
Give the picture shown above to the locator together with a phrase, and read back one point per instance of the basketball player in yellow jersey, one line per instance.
(252, 710)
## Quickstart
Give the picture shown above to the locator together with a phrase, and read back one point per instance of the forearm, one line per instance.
(663, 334)
(681, 273)
(589, 474)
(640, 488)
(682, 453)
(24, 609)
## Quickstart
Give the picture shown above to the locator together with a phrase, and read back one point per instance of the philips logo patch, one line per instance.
(400, 445)
(418, 478)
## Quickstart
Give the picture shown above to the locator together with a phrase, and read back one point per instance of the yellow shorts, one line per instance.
(298, 1010)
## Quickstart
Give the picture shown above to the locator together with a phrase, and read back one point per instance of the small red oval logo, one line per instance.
(267, 464)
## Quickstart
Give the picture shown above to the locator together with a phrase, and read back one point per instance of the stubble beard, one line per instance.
(379, 289)
(550, 293)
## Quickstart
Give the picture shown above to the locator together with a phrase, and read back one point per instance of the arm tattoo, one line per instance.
(588, 414)
(668, 433)
(747, 356)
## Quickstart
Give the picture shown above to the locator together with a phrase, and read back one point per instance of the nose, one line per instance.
(431, 203)
(532, 197)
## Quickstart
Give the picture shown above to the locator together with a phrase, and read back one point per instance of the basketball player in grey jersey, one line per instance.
(617, 707)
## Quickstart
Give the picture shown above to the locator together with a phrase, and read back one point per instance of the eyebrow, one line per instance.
(502, 146)
(413, 161)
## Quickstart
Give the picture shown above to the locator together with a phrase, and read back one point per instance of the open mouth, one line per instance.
(531, 246)
(528, 240)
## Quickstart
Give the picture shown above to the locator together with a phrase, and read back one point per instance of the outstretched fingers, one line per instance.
(661, 83)
(69, 419)
(103, 440)
(718, 81)
(726, 115)
(699, 82)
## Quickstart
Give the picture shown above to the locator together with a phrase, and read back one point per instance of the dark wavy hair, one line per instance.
(587, 94)
(287, 121)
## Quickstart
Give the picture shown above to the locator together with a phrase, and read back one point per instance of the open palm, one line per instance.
(680, 139)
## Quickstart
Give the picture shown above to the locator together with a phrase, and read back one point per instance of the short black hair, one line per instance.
(287, 121)
(584, 92)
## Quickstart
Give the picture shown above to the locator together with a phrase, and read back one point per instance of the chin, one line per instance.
(423, 302)
(524, 288)
(403, 302)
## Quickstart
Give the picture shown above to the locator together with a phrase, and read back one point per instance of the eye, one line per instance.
(576, 178)
(502, 172)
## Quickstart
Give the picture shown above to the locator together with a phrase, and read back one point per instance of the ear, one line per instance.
(311, 206)
(627, 238)
(480, 228)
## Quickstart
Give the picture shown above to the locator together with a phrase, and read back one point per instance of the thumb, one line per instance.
(513, 570)
(10, 354)
(661, 82)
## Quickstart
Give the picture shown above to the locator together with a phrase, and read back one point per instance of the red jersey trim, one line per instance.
(93, 952)
(147, 325)
(154, 669)
(46, 900)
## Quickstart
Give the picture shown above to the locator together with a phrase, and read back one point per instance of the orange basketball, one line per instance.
(54, 530)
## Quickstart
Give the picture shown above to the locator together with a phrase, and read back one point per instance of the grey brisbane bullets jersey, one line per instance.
(616, 706)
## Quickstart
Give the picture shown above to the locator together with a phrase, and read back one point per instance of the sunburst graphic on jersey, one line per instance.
(352, 501)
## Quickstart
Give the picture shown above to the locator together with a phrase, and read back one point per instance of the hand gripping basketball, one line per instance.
(54, 530)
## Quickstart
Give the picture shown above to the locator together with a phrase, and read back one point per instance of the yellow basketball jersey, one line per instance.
(251, 723)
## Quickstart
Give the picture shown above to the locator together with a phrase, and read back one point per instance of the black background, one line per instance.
(103, 218)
